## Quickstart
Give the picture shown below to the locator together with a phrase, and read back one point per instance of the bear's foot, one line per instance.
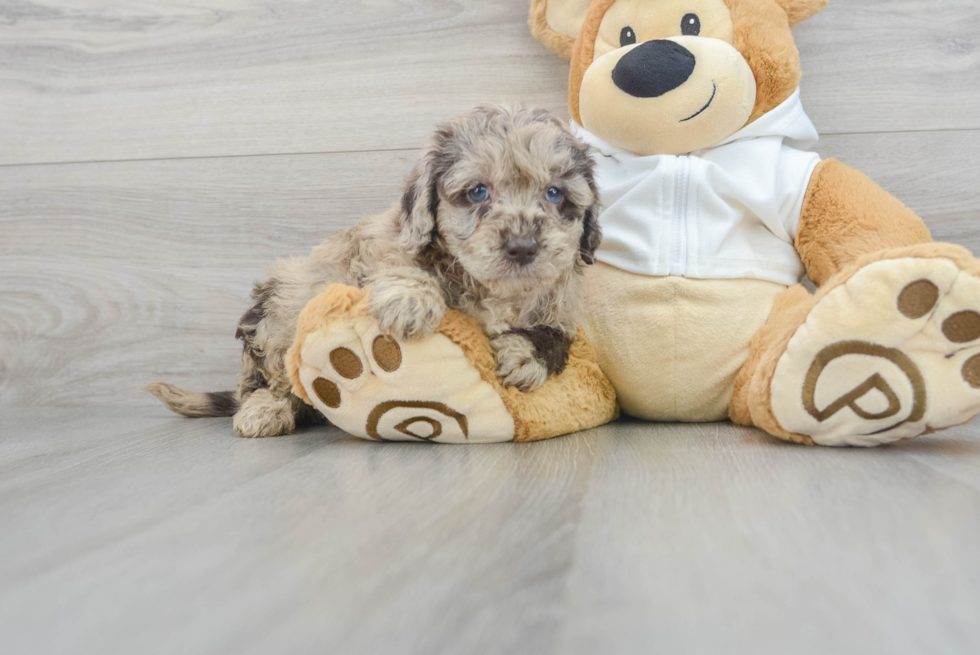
(376, 387)
(889, 351)
(441, 388)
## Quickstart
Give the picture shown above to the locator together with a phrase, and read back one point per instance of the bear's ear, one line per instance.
(799, 10)
(556, 23)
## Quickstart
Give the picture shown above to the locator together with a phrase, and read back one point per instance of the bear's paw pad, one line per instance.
(891, 354)
(375, 387)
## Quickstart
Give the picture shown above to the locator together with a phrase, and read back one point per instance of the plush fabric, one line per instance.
(799, 10)
(846, 215)
(583, 53)
(627, 120)
(762, 35)
(690, 338)
(440, 389)
(556, 24)
(739, 203)
(887, 349)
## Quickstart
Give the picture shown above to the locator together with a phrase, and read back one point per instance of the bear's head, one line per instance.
(673, 76)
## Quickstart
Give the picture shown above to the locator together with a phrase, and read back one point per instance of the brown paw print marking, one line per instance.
(328, 392)
(962, 327)
(397, 405)
(346, 363)
(918, 299)
(971, 371)
(387, 353)
(875, 382)
(388, 356)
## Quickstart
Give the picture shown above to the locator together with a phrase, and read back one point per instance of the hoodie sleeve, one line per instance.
(792, 179)
(768, 178)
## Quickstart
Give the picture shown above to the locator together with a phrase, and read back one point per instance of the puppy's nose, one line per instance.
(521, 250)
(653, 68)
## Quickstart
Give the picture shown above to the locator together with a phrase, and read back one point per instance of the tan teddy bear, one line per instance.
(438, 389)
(715, 208)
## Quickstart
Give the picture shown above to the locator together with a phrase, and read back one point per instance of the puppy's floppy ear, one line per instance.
(591, 234)
(799, 10)
(420, 202)
(584, 168)
(557, 23)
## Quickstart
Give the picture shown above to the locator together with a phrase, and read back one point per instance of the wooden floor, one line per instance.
(155, 156)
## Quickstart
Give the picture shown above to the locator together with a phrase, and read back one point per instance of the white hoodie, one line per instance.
(729, 211)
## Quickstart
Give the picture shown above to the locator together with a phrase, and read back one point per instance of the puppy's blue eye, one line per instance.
(555, 195)
(479, 193)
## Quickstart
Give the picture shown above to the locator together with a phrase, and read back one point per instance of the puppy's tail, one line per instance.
(195, 405)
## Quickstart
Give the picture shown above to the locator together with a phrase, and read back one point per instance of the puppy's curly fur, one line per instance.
(512, 259)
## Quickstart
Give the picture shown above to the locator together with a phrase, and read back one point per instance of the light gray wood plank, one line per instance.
(99, 80)
(709, 539)
(114, 275)
(189, 539)
(163, 535)
(129, 530)
(135, 469)
(935, 174)
(956, 456)
(891, 65)
(105, 81)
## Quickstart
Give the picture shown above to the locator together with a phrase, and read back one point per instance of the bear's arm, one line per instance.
(846, 215)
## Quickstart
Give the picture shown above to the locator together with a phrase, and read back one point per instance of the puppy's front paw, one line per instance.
(264, 414)
(517, 363)
(406, 309)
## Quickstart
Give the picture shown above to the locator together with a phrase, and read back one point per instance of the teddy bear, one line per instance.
(439, 389)
(715, 208)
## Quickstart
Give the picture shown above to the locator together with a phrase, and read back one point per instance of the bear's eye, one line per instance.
(479, 194)
(627, 37)
(690, 25)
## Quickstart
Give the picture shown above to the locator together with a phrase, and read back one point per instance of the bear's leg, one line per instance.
(888, 349)
(441, 388)
(672, 346)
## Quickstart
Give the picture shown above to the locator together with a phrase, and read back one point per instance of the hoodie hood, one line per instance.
(728, 211)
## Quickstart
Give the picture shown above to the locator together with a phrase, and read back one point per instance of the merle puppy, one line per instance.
(498, 221)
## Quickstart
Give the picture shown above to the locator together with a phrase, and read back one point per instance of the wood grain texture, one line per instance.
(152, 534)
(105, 80)
(892, 66)
(794, 550)
(108, 80)
(114, 275)
(933, 173)
(128, 530)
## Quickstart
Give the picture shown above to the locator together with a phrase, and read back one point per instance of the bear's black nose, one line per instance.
(653, 68)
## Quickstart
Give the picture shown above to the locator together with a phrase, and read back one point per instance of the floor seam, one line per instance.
(205, 157)
(383, 150)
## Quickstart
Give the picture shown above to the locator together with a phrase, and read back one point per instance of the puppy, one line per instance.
(498, 221)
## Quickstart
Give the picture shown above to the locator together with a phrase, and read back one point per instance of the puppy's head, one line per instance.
(506, 193)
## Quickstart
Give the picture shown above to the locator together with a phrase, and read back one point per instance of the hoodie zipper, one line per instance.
(682, 183)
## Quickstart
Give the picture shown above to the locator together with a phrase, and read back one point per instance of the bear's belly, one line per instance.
(672, 345)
